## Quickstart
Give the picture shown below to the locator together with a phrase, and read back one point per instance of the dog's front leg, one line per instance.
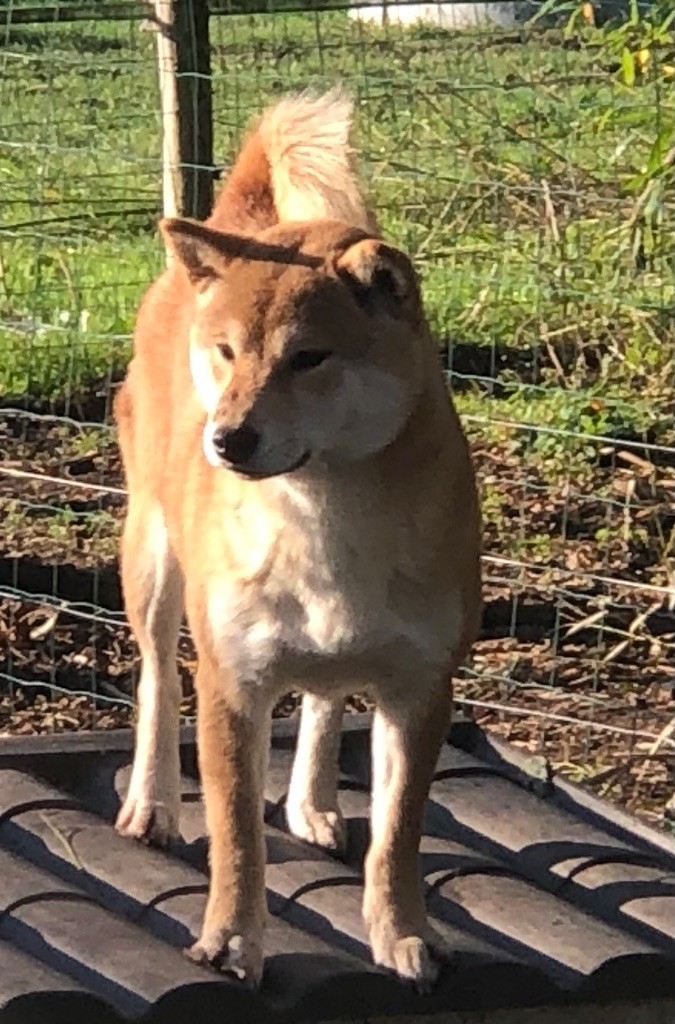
(233, 725)
(408, 731)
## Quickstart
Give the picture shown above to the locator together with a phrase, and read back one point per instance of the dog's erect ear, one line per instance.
(204, 253)
(378, 274)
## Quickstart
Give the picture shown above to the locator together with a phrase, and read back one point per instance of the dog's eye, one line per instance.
(308, 359)
(226, 352)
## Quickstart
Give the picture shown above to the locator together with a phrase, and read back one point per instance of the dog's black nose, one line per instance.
(236, 446)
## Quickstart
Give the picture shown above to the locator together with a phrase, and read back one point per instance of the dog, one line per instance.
(299, 484)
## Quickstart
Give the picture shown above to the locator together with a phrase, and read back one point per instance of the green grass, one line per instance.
(510, 168)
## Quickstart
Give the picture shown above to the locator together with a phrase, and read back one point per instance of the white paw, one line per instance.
(321, 828)
(152, 819)
(411, 959)
(230, 952)
(410, 956)
(407, 955)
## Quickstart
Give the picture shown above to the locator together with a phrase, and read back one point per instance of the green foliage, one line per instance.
(527, 180)
(646, 32)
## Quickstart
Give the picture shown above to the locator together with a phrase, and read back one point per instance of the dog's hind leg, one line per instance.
(153, 597)
(312, 809)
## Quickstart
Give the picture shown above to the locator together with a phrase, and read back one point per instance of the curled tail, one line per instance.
(297, 164)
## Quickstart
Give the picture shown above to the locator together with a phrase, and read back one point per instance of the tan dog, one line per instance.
(300, 483)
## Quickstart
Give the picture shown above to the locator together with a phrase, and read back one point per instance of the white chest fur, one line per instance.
(314, 580)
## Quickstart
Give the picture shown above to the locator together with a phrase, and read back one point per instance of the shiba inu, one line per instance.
(299, 485)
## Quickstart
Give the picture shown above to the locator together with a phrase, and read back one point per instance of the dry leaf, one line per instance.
(45, 627)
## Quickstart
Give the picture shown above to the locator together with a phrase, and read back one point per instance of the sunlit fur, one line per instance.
(340, 555)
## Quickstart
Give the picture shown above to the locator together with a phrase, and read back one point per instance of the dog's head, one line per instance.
(305, 343)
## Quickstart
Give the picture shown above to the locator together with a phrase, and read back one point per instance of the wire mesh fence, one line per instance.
(528, 169)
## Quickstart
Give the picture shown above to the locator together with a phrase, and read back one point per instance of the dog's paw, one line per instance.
(321, 828)
(153, 821)
(411, 959)
(231, 953)
(415, 957)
